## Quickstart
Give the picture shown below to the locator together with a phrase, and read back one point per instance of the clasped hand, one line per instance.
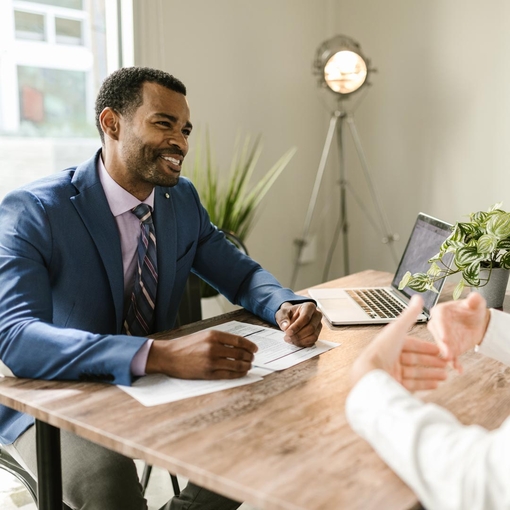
(412, 362)
(457, 326)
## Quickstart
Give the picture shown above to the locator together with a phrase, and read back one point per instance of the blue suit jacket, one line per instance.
(61, 279)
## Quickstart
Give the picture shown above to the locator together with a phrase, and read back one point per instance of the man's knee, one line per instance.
(95, 478)
(109, 485)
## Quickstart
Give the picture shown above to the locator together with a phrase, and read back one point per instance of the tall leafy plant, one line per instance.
(232, 198)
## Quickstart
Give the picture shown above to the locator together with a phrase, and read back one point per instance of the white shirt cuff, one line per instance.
(496, 342)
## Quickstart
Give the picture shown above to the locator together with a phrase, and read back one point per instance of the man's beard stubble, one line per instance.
(142, 161)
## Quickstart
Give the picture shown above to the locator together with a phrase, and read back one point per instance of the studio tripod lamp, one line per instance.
(343, 70)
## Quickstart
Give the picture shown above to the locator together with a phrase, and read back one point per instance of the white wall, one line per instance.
(247, 67)
(434, 125)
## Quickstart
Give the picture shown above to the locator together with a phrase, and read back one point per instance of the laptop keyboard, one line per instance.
(377, 303)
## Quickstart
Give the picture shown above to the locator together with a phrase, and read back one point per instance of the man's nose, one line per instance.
(179, 140)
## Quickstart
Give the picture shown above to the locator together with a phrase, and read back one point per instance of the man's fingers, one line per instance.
(231, 365)
(240, 342)
(235, 353)
(302, 341)
(304, 315)
(226, 374)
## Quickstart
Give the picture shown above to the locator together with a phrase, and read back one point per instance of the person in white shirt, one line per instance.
(448, 465)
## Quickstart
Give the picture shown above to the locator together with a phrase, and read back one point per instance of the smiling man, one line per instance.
(94, 260)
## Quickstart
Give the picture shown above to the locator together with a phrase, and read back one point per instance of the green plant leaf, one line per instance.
(487, 243)
(430, 286)
(232, 203)
(505, 260)
(479, 217)
(466, 256)
(471, 274)
(497, 205)
(499, 225)
(457, 235)
(434, 270)
(469, 229)
(405, 280)
(419, 282)
(458, 289)
(504, 244)
(437, 256)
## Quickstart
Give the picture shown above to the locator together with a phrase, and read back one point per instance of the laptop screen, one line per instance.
(424, 242)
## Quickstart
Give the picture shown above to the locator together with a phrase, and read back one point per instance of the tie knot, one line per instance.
(143, 213)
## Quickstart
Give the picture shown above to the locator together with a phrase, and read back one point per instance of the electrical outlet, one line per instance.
(309, 251)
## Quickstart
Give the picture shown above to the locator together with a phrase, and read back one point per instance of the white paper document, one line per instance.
(155, 389)
(273, 354)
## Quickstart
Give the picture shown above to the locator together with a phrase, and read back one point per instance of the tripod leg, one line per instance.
(342, 225)
(389, 236)
(343, 200)
(313, 200)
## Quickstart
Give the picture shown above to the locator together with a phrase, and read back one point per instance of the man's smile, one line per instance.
(175, 162)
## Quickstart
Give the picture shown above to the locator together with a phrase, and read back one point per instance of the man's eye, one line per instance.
(186, 132)
(164, 123)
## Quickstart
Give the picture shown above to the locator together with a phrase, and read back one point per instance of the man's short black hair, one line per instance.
(122, 90)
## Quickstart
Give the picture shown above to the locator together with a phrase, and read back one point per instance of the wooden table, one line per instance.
(282, 443)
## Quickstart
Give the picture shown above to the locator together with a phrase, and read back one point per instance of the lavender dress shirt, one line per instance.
(121, 203)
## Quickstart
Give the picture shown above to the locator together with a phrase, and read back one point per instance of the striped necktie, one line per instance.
(140, 316)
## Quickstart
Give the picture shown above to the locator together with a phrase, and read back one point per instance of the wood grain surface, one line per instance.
(282, 443)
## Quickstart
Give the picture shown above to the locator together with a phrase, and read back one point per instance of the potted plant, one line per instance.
(480, 249)
(232, 201)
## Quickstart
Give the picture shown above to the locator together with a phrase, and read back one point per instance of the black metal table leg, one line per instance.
(49, 469)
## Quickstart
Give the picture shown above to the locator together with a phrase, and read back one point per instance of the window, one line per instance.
(29, 26)
(69, 4)
(68, 31)
(53, 61)
(53, 102)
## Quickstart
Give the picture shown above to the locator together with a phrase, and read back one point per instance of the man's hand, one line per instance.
(301, 323)
(458, 326)
(413, 363)
(204, 355)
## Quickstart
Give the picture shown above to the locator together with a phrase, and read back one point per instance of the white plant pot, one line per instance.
(495, 289)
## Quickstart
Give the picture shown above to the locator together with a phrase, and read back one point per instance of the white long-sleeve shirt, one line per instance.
(448, 465)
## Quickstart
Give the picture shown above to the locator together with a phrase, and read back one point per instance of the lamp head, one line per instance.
(340, 65)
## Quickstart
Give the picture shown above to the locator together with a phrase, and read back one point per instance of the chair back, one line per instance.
(11, 465)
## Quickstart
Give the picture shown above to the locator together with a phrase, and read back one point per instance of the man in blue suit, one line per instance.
(71, 276)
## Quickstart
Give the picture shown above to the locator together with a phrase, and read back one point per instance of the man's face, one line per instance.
(154, 140)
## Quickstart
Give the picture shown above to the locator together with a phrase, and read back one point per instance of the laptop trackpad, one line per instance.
(340, 307)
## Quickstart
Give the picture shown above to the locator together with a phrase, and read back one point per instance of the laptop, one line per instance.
(380, 305)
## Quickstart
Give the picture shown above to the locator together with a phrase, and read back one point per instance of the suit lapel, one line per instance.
(92, 206)
(166, 238)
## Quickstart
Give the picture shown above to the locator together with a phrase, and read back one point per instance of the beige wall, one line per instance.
(434, 125)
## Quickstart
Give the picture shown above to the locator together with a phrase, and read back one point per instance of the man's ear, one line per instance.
(110, 123)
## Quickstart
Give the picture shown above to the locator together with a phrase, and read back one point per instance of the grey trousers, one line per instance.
(95, 478)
